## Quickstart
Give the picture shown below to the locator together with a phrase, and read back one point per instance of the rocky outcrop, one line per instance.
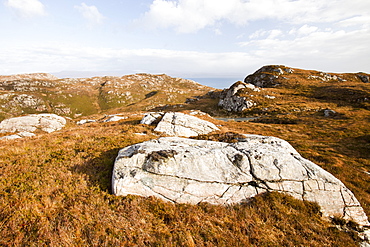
(270, 76)
(44, 122)
(234, 99)
(33, 76)
(192, 171)
(151, 117)
(364, 78)
(329, 113)
(267, 75)
(179, 124)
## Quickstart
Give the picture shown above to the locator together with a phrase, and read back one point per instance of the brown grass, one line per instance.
(55, 191)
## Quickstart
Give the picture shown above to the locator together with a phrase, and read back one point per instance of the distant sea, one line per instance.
(219, 83)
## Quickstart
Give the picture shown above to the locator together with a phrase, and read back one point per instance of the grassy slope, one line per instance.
(55, 188)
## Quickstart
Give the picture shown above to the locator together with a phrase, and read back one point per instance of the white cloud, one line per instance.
(271, 34)
(91, 14)
(67, 57)
(187, 16)
(27, 8)
(303, 30)
(363, 21)
(338, 50)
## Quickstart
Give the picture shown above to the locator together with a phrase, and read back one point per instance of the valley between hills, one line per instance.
(55, 188)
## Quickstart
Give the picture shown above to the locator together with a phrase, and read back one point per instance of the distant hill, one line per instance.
(37, 93)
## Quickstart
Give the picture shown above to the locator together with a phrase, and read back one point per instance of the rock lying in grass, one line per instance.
(44, 122)
(364, 78)
(151, 117)
(184, 170)
(179, 124)
(113, 118)
(17, 136)
(231, 100)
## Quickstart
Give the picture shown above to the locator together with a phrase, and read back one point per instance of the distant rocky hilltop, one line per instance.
(71, 97)
(32, 76)
(259, 89)
(275, 75)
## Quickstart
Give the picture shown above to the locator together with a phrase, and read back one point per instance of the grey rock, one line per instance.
(329, 113)
(180, 124)
(289, 70)
(151, 117)
(10, 137)
(85, 121)
(26, 134)
(231, 100)
(364, 78)
(113, 118)
(30, 123)
(279, 71)
(267, 76)
(183, 170)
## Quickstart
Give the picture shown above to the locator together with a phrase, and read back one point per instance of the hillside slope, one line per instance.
(39, 93)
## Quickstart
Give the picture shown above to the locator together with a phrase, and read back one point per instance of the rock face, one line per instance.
(191, 171)
(329, 113)
(267, 75)
(151, 117)
(231, 100)
(364, 78)
(31, 123)
(179, 124)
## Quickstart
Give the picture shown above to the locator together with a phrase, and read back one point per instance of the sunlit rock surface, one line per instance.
(192, 171)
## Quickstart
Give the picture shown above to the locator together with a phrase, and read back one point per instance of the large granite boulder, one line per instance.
(44, 122)
(179, 124)
(184, 170)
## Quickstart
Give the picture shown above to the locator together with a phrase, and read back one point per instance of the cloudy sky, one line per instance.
(184, 38)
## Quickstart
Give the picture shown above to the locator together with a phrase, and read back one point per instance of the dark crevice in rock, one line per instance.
(159, 194)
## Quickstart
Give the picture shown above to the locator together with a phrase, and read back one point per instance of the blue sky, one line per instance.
(183, 38)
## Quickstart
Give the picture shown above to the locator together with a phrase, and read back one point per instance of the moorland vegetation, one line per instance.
(55, 189)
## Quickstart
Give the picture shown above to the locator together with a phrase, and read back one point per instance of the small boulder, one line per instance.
(30, 123)
(330, 113)
(151, 117)
(85, 121)
(180, 124)
(113, 118)
(10, 137)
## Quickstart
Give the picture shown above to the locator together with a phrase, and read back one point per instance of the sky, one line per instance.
(182, 38)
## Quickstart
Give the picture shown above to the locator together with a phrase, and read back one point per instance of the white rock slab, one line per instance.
(30, 123)
(183, 170)
(180, 124)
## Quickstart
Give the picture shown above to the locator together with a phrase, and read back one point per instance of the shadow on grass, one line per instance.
(99, 170)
